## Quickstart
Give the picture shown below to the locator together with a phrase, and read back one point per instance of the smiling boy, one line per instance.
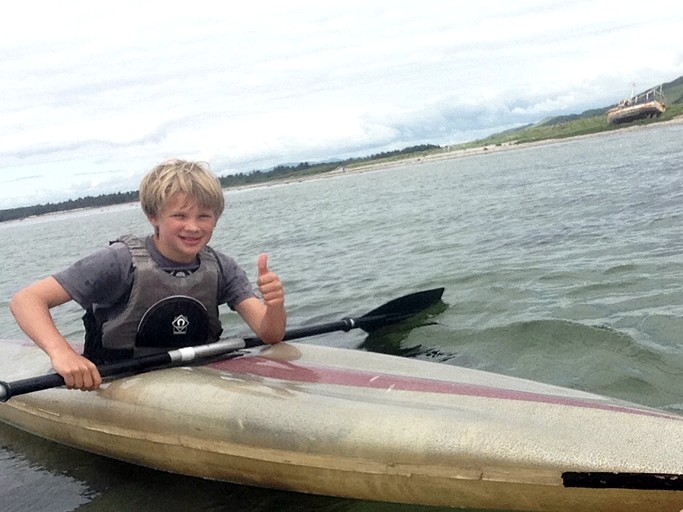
(146, 295)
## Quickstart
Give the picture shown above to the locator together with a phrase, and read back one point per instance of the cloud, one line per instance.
(114, 88)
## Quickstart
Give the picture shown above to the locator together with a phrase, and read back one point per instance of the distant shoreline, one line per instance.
(451, 154)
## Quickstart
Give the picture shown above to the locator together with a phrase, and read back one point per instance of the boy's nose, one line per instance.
(192, 225)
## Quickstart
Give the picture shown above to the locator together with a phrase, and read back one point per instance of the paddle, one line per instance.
(392, 312)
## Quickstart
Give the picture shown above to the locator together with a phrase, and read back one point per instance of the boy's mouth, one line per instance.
(191, 239)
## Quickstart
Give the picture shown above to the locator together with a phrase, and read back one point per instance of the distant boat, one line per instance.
(650, 104)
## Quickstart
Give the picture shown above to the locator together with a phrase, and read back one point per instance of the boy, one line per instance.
(147, 295)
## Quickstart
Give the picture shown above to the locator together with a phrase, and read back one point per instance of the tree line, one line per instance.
(279, 172)
(72, 204)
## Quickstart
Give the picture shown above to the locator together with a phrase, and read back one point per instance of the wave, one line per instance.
(593, 358)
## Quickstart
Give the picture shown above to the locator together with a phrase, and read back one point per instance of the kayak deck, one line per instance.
(370, 426)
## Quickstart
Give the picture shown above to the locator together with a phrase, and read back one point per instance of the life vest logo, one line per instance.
(180, 324)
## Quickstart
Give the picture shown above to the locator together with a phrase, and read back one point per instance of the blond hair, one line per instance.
(194, 179)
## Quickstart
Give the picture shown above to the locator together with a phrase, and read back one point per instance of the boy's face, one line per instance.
(184, 228)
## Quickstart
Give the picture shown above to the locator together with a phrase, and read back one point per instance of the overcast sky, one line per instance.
(95, 93)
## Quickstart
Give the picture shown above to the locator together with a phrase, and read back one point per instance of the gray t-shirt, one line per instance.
(105, 277)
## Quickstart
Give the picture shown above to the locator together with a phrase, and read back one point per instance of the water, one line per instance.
(562, 263)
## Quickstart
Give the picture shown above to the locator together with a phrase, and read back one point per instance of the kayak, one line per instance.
(355, 424)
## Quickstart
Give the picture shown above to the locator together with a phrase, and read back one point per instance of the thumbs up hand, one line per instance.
(269, 284)
(267, 317)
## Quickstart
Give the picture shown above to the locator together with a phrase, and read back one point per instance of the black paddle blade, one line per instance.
(398, 309)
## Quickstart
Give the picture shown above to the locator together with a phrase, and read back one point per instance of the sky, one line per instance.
(94, 94)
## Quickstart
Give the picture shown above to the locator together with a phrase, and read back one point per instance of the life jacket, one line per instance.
(162, 312)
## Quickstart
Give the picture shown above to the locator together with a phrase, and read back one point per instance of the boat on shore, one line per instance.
(649, 104)
(363, 425)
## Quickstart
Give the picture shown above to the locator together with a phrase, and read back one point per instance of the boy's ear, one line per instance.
(155, 224)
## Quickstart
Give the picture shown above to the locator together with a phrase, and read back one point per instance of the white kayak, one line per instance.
(370, 426)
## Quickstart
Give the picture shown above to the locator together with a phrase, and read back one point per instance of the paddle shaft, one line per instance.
(136, 365)
(389, 313)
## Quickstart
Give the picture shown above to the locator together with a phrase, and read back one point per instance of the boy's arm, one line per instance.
(31, 309)
(267, 318)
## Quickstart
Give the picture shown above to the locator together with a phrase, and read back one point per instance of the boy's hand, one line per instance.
(269, 284)
(77, 371)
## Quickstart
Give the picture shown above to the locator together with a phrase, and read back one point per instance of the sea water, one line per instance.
(562, 263)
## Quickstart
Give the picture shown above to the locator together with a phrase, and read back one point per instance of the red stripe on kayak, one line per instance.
(284, 370)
